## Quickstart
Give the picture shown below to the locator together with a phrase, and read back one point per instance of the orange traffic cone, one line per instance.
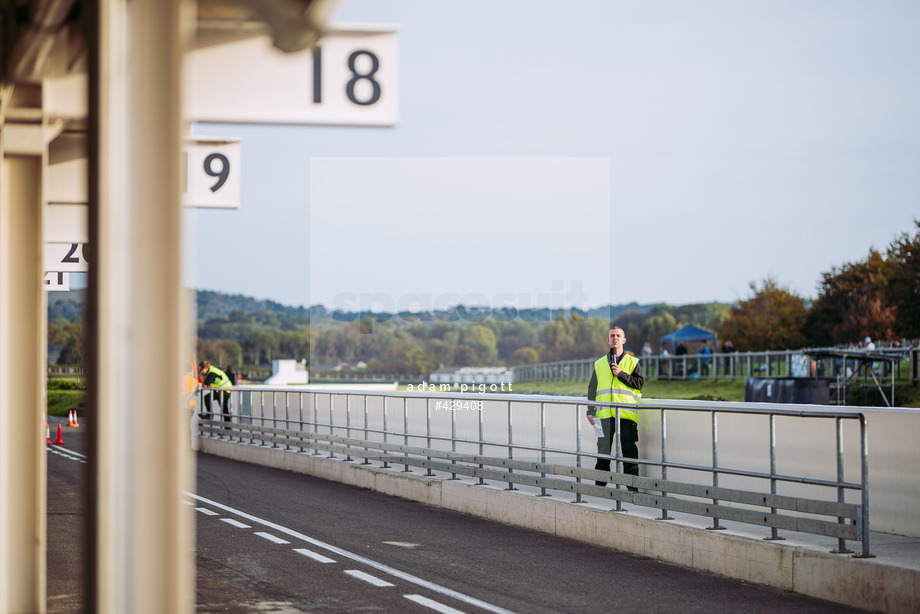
(70, 418)
(47, 434)
(60, 440)
(75, 423)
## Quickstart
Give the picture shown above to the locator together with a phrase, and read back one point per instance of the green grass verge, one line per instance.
(708, 390)
(905, 395)
(62, 401)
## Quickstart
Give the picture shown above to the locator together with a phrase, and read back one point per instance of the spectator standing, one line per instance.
(646, 350)
(230, 374)
(728, 348)
(681, 351)
(705, 352)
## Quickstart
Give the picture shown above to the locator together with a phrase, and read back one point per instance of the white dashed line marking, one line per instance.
(313, 555)
(271, 538)
(205, 510)
(367, 578)
(68, 454)
(236, 523)
(402, 544)
(406, 577)
(431, 603)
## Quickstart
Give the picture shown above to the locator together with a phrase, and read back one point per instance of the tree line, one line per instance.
(876, 296)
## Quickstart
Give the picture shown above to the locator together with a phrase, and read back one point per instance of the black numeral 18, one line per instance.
(356, 76)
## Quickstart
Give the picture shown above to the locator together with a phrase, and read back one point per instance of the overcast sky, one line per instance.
(586, 153)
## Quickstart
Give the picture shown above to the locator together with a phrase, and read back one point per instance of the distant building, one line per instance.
(287, 372)
(473, 375)
(338, 367)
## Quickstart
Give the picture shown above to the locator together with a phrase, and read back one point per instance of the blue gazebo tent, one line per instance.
(689, 334)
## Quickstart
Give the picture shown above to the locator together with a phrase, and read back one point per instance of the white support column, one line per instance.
(145, 535)
(22, 387)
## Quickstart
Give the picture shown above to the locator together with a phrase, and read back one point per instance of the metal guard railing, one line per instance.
(837, 519)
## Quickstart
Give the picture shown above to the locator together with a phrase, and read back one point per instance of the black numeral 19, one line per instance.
(221, 173)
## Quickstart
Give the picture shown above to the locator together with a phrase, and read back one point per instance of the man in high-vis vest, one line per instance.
(617, 378)
(212, 377)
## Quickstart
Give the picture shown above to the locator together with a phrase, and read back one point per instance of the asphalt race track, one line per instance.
(274, 541)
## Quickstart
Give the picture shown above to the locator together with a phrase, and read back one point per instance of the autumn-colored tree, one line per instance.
(417, 361)
(482, 340)
(657, 326)
(513, 336)
(464, 356)
(851, 304)
(74, 349)
(441, 351)
(524, 356)
(771, 319)
(574, 338)
(903, 288)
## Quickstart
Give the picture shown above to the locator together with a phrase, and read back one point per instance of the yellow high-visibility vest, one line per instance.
(611, 390)
(222, 380)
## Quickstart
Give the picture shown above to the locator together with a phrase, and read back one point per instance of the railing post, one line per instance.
(543, 444)
(577, 448)
(864, 453)
(274, 414)
(664, 460)
(366, 434)
(287, 418)
(715, 467)
(300, 418)
(385, 463)
(774, 532)
(481, 481)
(453, 439)
(331, 422)
(315, 425)
(406, 430)
(841, 542)
(261, 415)
(348, 425)
(510, 446)
(428, 431)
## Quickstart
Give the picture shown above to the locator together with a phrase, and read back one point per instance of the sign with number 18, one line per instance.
(349, 78)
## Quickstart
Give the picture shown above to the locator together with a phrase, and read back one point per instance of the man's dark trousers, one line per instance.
(629, 439)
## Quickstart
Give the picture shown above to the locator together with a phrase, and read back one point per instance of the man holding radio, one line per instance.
(617, 378)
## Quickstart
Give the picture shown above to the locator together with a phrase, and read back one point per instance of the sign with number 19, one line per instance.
(212, 173)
